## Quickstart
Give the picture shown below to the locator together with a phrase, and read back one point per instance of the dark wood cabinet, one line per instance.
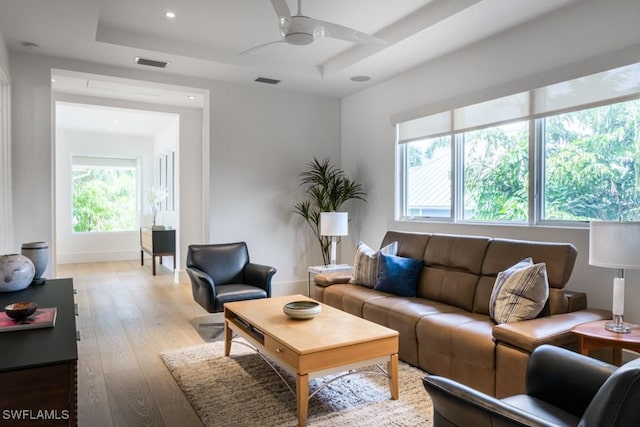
(38, 367)
(157, 243)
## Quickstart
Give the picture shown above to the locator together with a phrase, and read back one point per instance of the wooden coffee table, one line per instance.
(333, 341)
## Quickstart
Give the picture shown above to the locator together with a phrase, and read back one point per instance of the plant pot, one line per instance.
(16, 272)
(38, 253)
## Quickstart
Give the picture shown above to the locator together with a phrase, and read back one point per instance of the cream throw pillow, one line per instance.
(367, 265)
(520, 292)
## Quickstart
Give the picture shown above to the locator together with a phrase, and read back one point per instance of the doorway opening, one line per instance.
(117, 166)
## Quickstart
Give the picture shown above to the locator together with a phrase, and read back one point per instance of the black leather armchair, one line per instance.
(563, 388)
(222, 273)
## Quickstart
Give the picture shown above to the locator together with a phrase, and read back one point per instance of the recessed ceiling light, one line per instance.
(191, 97)
(169, 14)
(53, 80)
(360, 78)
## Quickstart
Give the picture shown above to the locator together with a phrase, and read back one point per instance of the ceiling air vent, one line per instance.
(150, 62)
(266, 80)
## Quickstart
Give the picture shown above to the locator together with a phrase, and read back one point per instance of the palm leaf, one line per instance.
(327, 189)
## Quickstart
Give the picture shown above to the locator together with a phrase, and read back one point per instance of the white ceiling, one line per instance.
(206, 37)
(111, 121)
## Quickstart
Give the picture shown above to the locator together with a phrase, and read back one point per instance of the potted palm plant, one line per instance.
(327, 188)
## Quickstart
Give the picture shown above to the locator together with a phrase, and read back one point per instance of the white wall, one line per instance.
(260, 139)
(90, 247)
(6, 222)
(260, 143)
(587, 37)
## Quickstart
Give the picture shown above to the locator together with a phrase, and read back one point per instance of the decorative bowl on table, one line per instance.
(20, 310)
(302, 309)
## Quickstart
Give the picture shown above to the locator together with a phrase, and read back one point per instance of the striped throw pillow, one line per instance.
(367, 265)
(519, 293)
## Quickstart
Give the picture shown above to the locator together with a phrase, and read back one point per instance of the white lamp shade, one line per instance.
(614, 244)
(334, 223)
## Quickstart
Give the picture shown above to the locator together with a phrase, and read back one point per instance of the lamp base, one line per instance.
(617, 326)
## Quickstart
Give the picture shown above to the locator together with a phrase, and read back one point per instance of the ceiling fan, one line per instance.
(302, 30)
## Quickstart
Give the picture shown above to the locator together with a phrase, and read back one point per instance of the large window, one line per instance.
(104, 194)
(592, 164)
(565, 153)
(429, 178)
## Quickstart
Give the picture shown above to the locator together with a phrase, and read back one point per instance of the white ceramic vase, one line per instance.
(38, 253)
(16, 272)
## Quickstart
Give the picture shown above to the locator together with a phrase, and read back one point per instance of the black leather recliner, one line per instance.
(222, 273)
(563, 388)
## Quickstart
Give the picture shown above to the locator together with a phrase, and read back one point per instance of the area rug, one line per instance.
(242, 390)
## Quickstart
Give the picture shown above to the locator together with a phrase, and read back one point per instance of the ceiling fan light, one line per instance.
(299, 39)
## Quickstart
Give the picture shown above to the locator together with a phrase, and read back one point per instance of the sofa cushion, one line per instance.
(366, 265)
(398, 275)
(351, 298)
(458, 345)
(520, 292)
(452, 266)
(558, 257)
(410, 245)
(403, 314)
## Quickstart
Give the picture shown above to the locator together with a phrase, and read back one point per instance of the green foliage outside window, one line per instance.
(104, 199)
(591, 167)
(593, 164)
(496, 173)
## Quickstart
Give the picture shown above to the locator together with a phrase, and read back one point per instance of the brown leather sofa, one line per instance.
(446, 330)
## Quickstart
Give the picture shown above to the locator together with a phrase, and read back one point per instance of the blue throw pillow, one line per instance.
(398, 275)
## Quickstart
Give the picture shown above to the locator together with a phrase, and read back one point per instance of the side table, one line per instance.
(594, 335)
(321, 269)
(157, 243)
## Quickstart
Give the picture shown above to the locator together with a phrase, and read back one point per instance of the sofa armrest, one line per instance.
(460, 405)
(328, 279)
(556, 329)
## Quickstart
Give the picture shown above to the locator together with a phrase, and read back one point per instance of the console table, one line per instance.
(157, 243)
(38, 367)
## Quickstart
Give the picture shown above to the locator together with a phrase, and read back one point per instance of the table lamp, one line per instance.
(615, 245)
(334, 224)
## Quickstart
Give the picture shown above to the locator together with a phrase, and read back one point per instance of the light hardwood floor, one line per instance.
(126, 317)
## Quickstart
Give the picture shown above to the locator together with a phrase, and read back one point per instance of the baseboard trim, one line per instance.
(81, 257)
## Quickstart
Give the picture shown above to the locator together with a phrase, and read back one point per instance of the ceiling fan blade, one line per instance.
(282, 9)
(335, 31)
(284, 15)
(245, 52)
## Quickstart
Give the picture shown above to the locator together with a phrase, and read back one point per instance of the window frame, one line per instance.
(134, 165)
(536, 164)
